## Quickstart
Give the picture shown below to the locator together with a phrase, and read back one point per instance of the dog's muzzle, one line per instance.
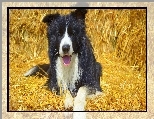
(66, 49)
(66, 57)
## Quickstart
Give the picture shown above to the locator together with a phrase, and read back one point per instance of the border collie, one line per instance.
(73, 68)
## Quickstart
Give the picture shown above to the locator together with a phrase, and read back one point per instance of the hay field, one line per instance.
(119, 41)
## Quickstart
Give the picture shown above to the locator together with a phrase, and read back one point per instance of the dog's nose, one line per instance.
(66, 48)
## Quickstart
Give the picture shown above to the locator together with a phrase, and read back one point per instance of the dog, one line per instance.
(73, 68)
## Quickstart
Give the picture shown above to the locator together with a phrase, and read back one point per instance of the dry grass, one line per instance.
(118, 38)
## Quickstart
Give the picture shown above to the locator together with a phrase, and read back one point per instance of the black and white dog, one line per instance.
(73, 68)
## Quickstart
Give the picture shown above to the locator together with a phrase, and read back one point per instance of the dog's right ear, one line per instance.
(79, 13)
(50, 17)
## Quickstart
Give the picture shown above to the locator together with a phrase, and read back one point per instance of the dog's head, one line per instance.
(65, 33)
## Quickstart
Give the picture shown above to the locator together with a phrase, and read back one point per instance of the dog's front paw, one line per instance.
(68, 102)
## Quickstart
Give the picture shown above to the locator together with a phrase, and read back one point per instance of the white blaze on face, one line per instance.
(66, 41)
(66, 57)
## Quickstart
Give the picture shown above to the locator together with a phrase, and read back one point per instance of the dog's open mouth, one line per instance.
(66, 60)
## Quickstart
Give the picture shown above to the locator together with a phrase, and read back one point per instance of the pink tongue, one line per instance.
(66, 60)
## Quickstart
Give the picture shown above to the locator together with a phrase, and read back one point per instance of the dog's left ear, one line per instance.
(79, 13)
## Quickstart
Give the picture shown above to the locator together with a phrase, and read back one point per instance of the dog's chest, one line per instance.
(68, 75)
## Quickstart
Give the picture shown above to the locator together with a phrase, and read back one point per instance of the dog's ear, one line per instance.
(79, 13)
(49, 18)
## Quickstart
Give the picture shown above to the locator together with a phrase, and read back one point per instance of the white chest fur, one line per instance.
(67, 75)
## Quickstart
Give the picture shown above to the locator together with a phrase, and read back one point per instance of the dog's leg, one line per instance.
(79, 103)
(52, 81)
(80, 99)
(42, 70)
(68, 100)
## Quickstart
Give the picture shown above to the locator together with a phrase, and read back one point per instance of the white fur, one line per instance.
(80, 99)
(67, 75)
(68, 100)
(80, 103)
(66, 41)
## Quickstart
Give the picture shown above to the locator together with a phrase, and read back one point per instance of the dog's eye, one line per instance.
(71, 31)
(60, 32)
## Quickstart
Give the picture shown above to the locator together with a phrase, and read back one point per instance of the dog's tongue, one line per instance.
(66, 60)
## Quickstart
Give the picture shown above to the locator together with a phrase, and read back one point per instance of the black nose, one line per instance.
(66, 48)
